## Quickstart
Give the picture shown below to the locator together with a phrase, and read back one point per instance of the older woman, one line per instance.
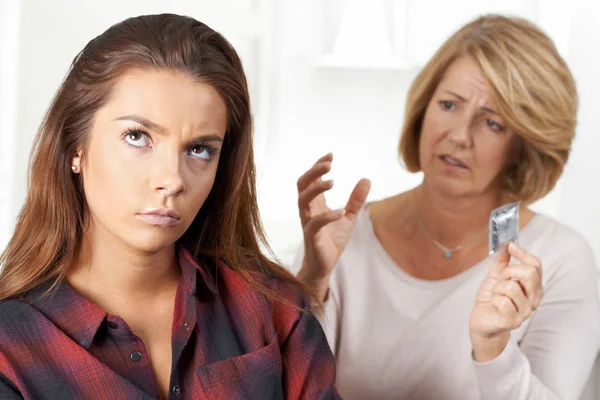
(413, 307)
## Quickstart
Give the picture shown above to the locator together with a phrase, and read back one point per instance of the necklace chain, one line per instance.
(448, 251)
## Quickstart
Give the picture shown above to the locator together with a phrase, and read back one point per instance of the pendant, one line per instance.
(448, 254)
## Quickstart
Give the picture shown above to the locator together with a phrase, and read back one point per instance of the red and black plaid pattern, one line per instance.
(229, 342)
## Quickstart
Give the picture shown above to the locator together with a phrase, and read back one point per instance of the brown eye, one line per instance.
(198, 149)
(202, 151)
(137, 138)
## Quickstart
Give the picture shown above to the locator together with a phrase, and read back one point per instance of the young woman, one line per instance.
(135, 269)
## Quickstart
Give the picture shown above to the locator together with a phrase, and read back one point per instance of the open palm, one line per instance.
(326, 231)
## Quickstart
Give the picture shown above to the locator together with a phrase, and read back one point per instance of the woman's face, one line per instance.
(152, 157)
(464, 146)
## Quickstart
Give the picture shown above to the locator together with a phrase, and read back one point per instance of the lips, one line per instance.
(448, 159)
(160, 216)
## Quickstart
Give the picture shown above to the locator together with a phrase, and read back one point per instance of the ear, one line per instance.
(76, 163)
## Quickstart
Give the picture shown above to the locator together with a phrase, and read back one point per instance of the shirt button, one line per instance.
(186, 326)
(176, 390)
(112, 325)
(136, 356)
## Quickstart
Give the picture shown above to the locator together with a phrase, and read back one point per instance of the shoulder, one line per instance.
(363, 231)
(24, 316)
(292, 316)
(567, 257)
(554, 239)
(364, 247)
(269, 288)
(274, 302)
(21, 324)
(17, 315)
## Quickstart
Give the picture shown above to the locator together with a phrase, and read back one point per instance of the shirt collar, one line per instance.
(80, 319)
(195, 273)
(72, 313)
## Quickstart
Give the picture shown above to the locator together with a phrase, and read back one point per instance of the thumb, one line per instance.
(358, 197)
(500, 261)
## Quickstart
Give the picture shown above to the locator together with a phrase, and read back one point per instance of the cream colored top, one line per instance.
(398, 337)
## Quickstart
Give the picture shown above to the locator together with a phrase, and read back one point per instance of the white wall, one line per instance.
(580, 197)
(9, 52)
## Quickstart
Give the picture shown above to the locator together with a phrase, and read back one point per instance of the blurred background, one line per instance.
(324, 75)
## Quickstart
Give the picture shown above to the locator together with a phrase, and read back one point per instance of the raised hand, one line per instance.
(326, 231)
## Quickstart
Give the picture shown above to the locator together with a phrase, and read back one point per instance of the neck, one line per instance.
(108, 268)
(454, 220)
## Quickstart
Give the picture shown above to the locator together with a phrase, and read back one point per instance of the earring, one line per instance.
(74, 168)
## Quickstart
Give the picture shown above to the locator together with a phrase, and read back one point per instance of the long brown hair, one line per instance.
(48, 233)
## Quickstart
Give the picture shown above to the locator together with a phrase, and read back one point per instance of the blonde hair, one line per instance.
(532, 87)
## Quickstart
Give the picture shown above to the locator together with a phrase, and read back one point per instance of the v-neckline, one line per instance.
(523, 235)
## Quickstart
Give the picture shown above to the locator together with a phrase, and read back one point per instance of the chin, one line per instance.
(450, 187)
(152, 242)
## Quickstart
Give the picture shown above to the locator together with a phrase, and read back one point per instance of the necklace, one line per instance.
(448, 251)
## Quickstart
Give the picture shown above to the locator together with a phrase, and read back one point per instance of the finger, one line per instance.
(507, 311)
(308, 195)
(310, 176)
(500, 261)
(524, 257)
(316, 223)
(326, 157)
(528, 277)
(513, 291)
(358, 197)
(521, 271)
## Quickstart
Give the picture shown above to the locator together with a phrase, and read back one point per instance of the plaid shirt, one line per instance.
(228, 342)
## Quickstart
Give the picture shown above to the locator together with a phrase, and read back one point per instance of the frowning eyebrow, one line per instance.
(153, 126)
(143, 121)
(491, 111)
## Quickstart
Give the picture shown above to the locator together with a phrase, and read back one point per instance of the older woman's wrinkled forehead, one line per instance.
(465, 76)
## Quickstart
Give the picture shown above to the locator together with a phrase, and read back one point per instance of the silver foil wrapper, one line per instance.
(504, 226)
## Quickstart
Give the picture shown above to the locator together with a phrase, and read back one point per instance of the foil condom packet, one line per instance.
(504, 227)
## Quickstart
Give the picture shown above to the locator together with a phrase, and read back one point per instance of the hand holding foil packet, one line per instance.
(504, 227)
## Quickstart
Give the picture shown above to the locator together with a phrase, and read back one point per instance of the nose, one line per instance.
(460, 133)
(167, 178)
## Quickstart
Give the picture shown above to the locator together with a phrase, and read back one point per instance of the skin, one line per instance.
(154, 145)
(464, 148)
